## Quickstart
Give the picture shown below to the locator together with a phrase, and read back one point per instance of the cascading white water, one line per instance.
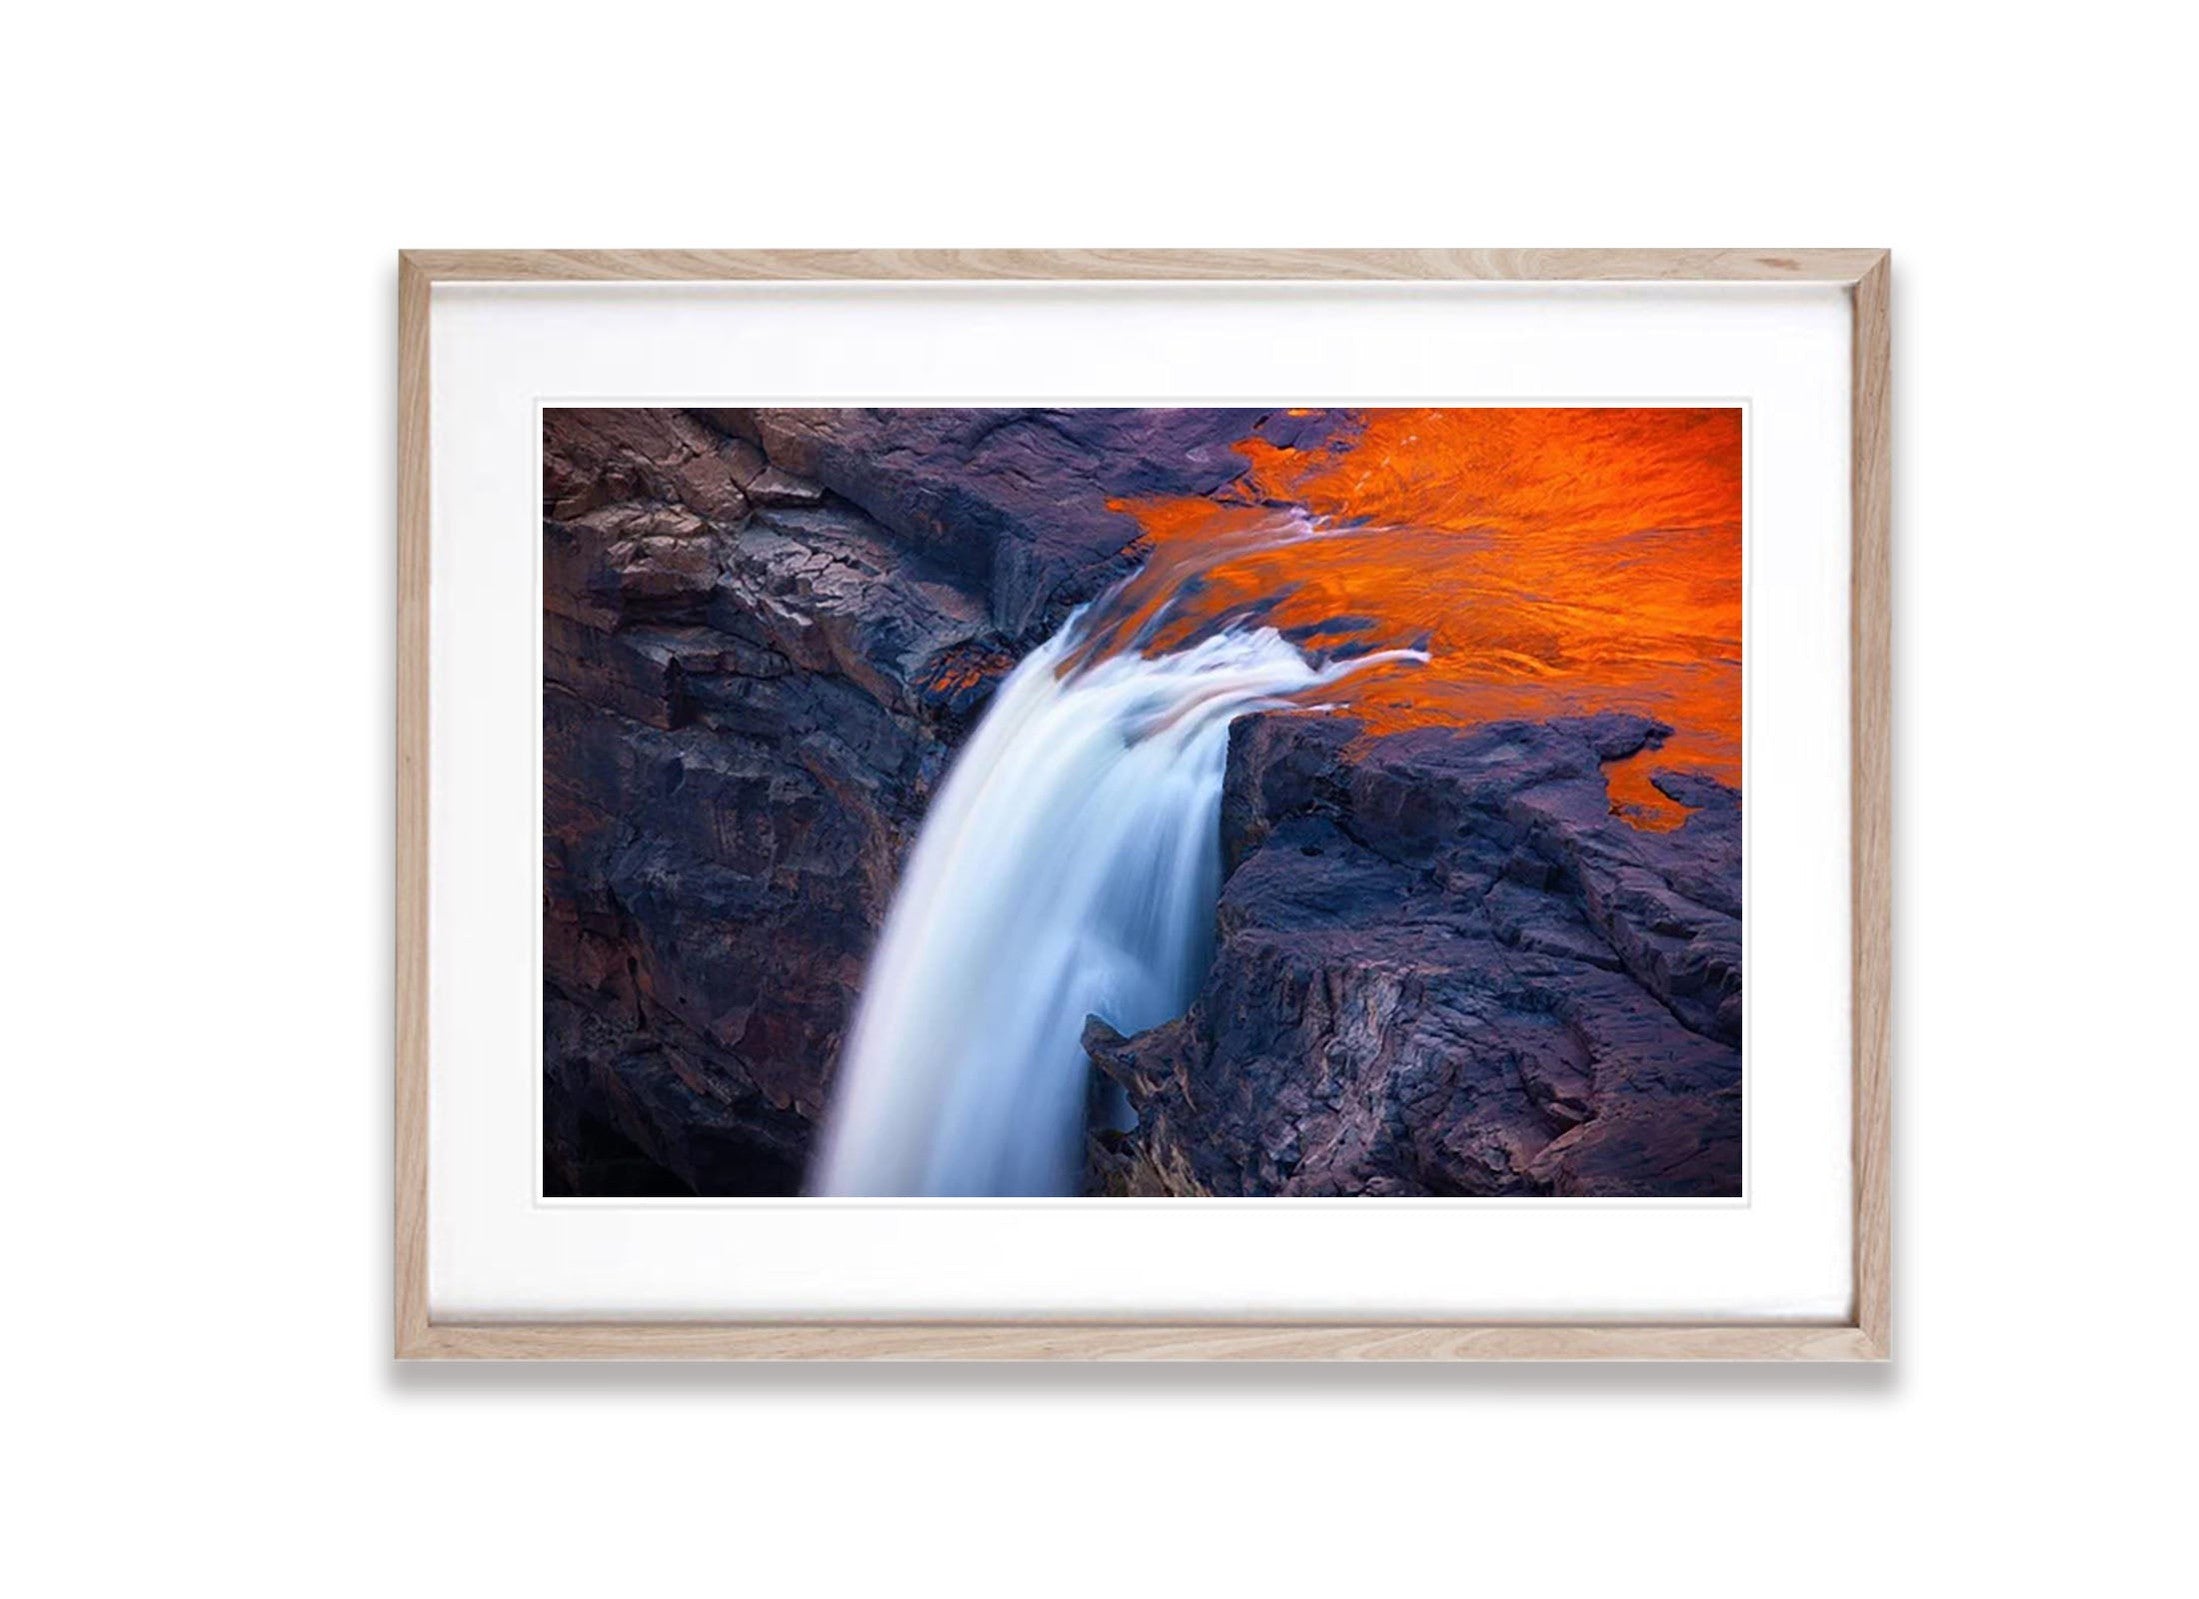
(1069, 866)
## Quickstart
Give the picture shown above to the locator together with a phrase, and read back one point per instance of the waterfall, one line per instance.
(1069, 865)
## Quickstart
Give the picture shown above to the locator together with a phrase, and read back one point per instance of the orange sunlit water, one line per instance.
(1553, 562)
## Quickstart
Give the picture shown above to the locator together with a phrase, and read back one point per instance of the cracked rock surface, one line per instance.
(1445, 968)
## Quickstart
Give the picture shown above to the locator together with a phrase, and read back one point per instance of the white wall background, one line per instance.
(199, 365)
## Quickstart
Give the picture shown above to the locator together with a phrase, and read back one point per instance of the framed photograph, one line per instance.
(1129, 804)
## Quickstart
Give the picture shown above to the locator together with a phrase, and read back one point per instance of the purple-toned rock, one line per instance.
(1014, 502)
(1445, 968)
(765, 634)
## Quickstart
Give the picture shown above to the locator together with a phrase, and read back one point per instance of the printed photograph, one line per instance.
(1152, 803)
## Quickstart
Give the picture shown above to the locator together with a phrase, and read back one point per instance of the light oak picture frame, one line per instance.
(1863, 1335)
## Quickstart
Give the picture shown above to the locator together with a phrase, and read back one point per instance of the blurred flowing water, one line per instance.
(1069, 866)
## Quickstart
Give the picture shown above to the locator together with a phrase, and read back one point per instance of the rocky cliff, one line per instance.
(764, 634)
(1446, 968)
(1444, 965)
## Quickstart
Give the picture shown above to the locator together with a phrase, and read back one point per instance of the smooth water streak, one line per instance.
(1069, 866)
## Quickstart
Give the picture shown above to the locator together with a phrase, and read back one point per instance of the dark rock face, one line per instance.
(1445, 968)
(1013, 502)
(765, 632)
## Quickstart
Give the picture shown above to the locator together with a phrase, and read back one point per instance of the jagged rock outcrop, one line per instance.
(764, 634)
(1445, 968)
(1013, 502)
